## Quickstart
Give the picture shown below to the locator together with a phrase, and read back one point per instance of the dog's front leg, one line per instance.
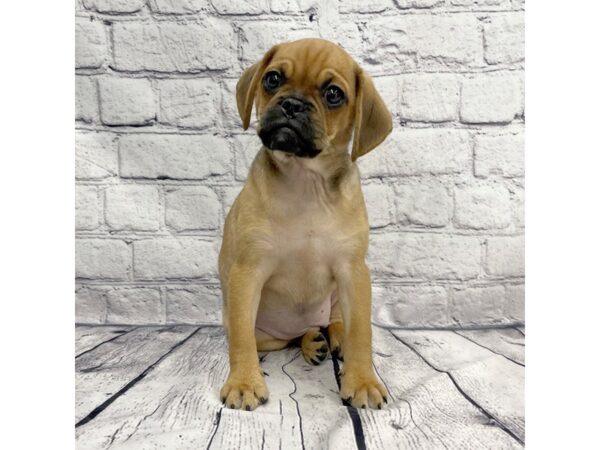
(359, 385)
(245, 387)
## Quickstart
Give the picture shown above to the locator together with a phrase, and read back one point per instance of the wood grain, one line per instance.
(102, 372)
(443, 391)
(507, 342)
(173, 406)
(491, 381)
(87, 336)
(426, 410)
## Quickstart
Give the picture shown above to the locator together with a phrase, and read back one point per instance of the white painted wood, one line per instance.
(88, 336)
(175, 405)
(490, 380)
(505, 341)
(426, 411)
(304, 410)
(103, 371)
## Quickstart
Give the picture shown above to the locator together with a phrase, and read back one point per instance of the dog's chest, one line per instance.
(304, 252)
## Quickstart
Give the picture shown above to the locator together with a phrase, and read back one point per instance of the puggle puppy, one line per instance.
(295, 240)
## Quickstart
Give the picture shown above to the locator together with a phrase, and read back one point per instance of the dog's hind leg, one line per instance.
(314, 346)
(267, 343)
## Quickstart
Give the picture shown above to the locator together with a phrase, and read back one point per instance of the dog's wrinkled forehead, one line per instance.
(308, 64)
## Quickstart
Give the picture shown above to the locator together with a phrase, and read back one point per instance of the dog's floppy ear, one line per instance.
(247, 84)
(372, 119)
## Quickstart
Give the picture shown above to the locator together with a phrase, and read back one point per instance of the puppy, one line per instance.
(295, 239)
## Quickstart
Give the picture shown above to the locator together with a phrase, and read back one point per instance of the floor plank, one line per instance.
(304, 409)
(88, 336)
(507, 342)
(175, 405)
(426, 411)
(491, 381)
(101, 373)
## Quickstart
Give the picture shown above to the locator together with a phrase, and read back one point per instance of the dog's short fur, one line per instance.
(298, 231)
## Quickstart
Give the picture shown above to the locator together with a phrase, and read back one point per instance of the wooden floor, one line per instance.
(157, 387)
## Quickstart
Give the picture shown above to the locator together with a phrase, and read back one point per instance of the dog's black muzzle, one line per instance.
(287, 127)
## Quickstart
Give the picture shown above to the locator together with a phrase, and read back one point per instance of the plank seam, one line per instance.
(519, 330)
(218, 422)
(104, 342)
(490, 416)
(487, 348)
(295, 401)
(359, 435)
(132, 383)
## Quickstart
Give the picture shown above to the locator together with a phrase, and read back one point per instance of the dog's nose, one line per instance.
(292, 106)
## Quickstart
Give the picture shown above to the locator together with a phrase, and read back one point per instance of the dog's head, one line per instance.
(310, 97)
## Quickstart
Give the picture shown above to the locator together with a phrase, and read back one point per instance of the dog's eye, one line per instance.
(272, 80)
(334, 96)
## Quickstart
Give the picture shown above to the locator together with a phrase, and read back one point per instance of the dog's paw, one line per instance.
(314, 347)
(336, 338)
(362, 389)
(245, 390)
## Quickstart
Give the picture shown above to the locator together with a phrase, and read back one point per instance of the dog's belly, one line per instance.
(298, 295)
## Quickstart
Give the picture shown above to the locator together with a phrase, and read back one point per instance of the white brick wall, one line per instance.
(160, 153)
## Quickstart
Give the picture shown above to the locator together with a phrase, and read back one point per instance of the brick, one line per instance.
(258, 37)
(86, 99)
(405, 4)
(293, 6)
(126, 101)
(230, 116)
(173, 156)
(192, 103)
(389, 89)
(361, 6)
(518, 201)
(192, 208)
(425, 203)
(483, 3)
(87, 216)
(90, 306)
(199, 305)
(114, 6)
(130, 207)
(410, 306)
(379, 200)
(490, 98)
(515, 302)
(419, 151)
(348, 36)
(91, 49)
(502, 154)
(482, 206)
(434, 39)
(506, 256)
(170, 258)
(420, 255)
(478, 305)
(430, 98)
(102, 259)
(95, 155)
(178, 6)
(174, 47)
(135, 306)
(246, 147)
(229, 194)
(240, 6)
(504, 38)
